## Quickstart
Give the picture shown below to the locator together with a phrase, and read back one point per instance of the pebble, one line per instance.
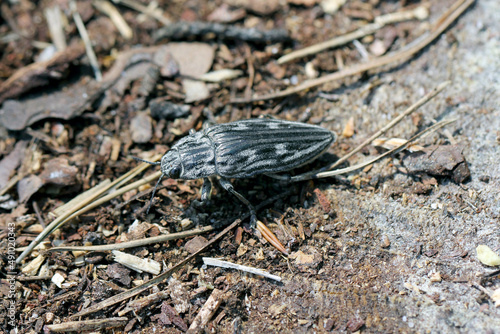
(141, 129)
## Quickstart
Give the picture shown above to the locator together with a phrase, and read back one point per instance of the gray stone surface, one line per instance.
(452, 218)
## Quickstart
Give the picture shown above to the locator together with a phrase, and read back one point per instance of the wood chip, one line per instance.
(348, 131)
(487, 256)
(206, 312)
(87, 325)
(136, 263)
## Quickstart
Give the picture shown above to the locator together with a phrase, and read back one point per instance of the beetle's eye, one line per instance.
(175, 172)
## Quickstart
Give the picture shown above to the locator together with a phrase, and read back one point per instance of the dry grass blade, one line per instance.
(92, 193)
(144, 10)
(206, 312)
(270, 237)
(137, 263)
(137, 243)
(442, 24)
(225, 264)
(86, 40)
(53, 16)
(115, 16)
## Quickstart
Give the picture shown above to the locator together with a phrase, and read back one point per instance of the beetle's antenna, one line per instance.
(149, 162)
(154, 191)
(157, 183)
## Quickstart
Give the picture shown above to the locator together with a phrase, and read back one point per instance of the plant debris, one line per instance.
(440, 160)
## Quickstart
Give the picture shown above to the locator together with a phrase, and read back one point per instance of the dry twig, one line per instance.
(206, 312)
(137, 243)
(392, 123)
(87, 325)
(54, 20)
(158, 279)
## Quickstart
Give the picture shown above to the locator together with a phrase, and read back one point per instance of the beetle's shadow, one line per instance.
(257, 190)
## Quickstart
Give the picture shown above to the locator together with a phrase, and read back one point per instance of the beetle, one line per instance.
(243, 149)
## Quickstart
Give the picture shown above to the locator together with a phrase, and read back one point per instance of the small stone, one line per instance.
(311, 71)
(436, 277)
(161, 109)
(377, 48)
(141, 129)
(484, 178)
(195, 244)
(49, 317)
(354, 324)
(331, 6)
(186, 223)
(328, 324)
(57, 279)
(242, 249)
(385, 241)
(58, 172)
(495, 296)
(348, 130)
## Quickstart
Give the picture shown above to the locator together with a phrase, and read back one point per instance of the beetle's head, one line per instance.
(171, 165)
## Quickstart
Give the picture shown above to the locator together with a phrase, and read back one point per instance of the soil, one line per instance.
(390, 248)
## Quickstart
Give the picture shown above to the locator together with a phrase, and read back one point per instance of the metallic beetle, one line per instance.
(244, 149)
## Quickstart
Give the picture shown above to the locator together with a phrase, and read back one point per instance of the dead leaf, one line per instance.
(11, 162)
(40, 73)
(302, 258)
(28, 186)
(194, 60)
(64, 103)
(195, 244)
(225, 14)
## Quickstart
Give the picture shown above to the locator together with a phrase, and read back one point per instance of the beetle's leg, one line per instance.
(281, 177)
(295, 178)
(206, 192)
(229, 187)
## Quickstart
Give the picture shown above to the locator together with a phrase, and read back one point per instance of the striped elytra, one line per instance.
(252, 147)
(246, 148)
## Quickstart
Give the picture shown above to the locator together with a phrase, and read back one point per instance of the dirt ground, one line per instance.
(381, 250)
